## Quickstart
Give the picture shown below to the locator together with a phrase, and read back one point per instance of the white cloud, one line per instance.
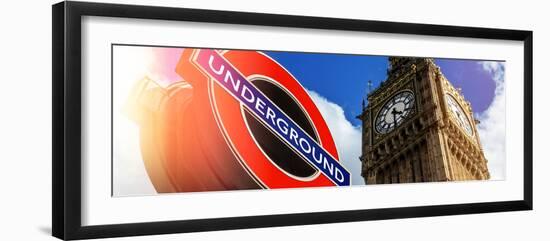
(346, 136)
(492, 127)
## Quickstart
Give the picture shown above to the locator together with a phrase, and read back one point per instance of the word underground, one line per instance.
(233, 82)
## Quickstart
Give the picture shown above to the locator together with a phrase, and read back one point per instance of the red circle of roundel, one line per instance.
(228, 112)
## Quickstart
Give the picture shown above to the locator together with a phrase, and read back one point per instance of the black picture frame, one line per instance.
(67, 135)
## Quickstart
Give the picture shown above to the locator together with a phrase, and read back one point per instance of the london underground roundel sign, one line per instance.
(245, 123)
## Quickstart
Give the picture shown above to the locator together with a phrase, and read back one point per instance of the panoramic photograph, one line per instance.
(197, 119)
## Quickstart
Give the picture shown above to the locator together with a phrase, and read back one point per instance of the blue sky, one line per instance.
(343, 79)
(340, 78)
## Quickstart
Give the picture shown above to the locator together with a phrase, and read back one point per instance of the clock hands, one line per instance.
(395, 112)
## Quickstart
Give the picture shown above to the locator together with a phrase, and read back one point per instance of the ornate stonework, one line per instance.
(436, 140)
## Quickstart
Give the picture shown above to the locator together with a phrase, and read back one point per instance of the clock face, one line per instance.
(459, 114)
(394, 112)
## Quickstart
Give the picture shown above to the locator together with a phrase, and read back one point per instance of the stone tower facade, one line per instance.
(417, 127)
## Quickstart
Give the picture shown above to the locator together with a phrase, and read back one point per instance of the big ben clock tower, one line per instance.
(417, 127)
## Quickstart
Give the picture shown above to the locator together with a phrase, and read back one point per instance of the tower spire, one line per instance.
(370, 86)
(369, 89)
